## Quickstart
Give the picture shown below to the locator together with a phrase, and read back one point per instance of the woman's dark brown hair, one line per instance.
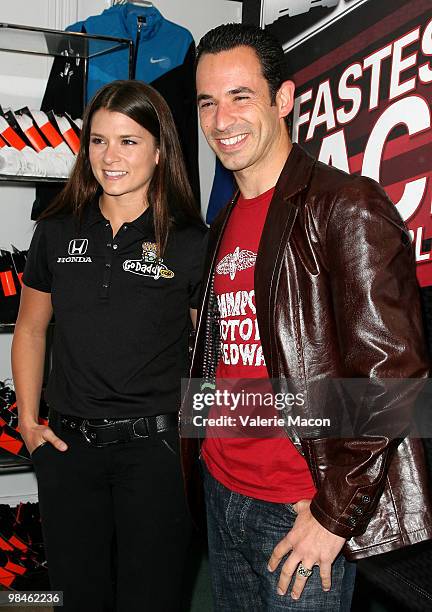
(169, 193)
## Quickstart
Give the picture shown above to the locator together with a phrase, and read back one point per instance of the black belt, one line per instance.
(101, 432)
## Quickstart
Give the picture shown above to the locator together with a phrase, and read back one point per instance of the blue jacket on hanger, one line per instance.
(162, 45)
(223, 189)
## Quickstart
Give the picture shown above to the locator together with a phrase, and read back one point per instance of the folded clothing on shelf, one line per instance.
(34, 143)
(13, 452)
(22, 559)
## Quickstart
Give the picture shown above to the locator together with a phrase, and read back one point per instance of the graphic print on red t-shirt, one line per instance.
(242, 355)
(270, 469)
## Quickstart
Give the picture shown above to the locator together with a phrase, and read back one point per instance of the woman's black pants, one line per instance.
(115, 523)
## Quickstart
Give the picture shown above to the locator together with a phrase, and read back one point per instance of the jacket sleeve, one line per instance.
(375, 296)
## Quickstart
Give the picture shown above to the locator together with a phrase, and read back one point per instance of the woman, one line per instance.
(117, 259)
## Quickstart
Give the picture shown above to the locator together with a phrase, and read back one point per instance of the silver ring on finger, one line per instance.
(303, 571)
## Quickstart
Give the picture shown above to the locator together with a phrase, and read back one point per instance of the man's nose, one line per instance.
(224, 117)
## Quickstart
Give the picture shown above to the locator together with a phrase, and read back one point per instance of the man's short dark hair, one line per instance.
(267, 48)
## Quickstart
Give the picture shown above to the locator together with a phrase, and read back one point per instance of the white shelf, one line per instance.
(16, 500)
(24, 178)
(18, 487)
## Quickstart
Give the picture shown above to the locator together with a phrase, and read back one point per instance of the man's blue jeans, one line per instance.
(242, 533)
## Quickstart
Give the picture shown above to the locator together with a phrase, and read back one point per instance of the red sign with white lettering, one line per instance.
(363, 75)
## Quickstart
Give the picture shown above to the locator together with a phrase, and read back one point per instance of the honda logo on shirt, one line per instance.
(78, 246)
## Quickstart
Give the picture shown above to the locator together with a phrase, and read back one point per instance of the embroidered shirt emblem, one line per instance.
(150, 264)
(77, 250)
(156, 60)
(236, 261)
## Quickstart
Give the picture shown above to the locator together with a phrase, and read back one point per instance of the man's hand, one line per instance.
(35, 435)
(311, 544)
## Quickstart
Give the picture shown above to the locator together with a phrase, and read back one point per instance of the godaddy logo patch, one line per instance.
(150, 264)
(154, 270)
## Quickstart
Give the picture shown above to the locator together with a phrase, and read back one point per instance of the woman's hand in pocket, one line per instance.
(36, 435)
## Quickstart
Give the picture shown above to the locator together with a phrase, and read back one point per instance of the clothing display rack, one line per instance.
(137, 2)
(45, 42)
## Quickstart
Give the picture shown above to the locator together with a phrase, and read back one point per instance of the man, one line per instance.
(319, 264)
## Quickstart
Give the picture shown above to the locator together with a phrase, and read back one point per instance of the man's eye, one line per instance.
(205, 104)
(241, 98)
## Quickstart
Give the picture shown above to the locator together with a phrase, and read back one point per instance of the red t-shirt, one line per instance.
(264, 468)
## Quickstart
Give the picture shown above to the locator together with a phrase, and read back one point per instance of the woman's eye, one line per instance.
(96, 140)
(127, 141)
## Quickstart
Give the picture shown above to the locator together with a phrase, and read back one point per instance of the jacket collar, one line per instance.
(281, 216)
(295, 174)
(121, 20)
(295, 177)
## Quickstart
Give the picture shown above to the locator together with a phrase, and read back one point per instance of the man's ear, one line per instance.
(285, 98)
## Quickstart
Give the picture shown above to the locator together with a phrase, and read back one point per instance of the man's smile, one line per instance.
(231, 143)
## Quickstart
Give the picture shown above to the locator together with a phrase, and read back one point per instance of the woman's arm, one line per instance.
(28, 358)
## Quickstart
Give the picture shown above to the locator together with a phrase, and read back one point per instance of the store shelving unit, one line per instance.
(46, 42)
(52, 43)
(21, 487)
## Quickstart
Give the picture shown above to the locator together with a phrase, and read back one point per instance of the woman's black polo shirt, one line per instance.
(121, 314)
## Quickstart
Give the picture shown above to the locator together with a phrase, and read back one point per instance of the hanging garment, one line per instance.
(165, 58)
(223, 188)
(11, 270)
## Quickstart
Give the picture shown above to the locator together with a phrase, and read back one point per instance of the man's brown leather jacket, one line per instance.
(336, 297)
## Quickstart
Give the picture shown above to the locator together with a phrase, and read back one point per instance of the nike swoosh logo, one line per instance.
(157, 60)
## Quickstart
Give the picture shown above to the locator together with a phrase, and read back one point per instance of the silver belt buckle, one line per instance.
(137, 434)
(83, 430)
